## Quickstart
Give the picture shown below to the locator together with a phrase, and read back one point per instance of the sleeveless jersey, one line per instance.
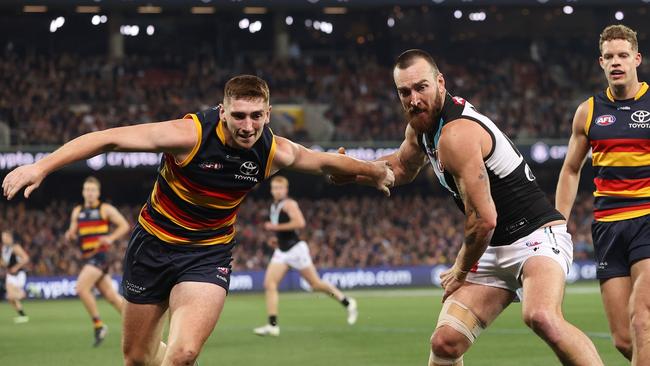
(9, 257)
(288, 238)
(195, 202)
(521, 205)
(619, 135)
(90, 227)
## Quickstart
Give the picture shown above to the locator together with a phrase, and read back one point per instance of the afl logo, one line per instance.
(606, 120)
(249, 168)
(641, 116)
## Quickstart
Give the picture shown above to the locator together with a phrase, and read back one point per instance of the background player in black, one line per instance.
(195, 306)
(95, 240)
(621, 232)
(486, 175)
(286, 219)
(14, 259)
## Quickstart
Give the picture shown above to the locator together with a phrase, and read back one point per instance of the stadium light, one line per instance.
(103, 19)
(458, 14)
(149, 9)
(619, 15)
(255, 10)
(202, 10)
(57, 23)
(335, 10)
(326, 27)
(87, 9)
(255, 26)
(478, 16)
(130, 30)
(308, 23)
(288, 20)
(34, 9)
(244, 23)
(568, 9)
(391, 22)
(95, 20)
(151, 30)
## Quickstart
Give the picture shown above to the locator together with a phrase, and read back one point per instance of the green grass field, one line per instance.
(393, 329)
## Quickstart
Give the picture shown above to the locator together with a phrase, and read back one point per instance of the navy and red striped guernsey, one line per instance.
(91, 226)
(619, 134)
(195, 202)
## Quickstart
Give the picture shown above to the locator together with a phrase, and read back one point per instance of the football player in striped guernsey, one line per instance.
(180, 251)
(615, 125)
(90, 226)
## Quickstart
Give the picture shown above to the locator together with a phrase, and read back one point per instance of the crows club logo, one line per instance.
(605, 120)
(641, 116)
(249, 168)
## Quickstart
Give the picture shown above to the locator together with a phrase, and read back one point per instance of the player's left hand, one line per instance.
(13, 270)
(269, 226)
(451, 280)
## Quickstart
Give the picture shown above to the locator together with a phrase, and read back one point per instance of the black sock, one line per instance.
(345, 302)
(21, 312)
(273, 320)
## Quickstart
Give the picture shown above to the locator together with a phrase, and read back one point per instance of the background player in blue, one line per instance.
(514, 239)
(615, 124)
(286, 219)
(14, 259)
(180, 251)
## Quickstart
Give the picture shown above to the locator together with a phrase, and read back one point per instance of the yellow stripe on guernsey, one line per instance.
(177, 240)
(196, 199)
(90, 230)
(590, 114)
(199, 131)
(269, 161)
(642, 90)
(90, 245)
(621, 159)
(625, 215)
(639, 193)
(156, 206)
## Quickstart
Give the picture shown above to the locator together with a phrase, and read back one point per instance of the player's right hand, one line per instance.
(27, 176)
(70, 235)
(273, 242)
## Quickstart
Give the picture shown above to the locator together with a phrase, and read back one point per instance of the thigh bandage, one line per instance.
(461, 318)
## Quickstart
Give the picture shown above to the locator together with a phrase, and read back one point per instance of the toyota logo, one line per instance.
(641, 116)
(249, 168)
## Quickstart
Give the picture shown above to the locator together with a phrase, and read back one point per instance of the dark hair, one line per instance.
(246, 87)
(408, 58)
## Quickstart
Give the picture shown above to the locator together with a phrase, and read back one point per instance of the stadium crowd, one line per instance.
(348, 232)
(48, 100)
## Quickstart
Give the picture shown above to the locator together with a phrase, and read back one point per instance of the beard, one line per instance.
(422, 120)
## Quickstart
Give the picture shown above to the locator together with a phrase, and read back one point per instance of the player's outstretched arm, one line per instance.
(177, 137)
(406, 162)
(116, 218)
(462, 150)
(297, 157)
(567, 184)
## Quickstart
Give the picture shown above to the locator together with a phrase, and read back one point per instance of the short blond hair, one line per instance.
(280, 179)
(618, 31)
(93, 180)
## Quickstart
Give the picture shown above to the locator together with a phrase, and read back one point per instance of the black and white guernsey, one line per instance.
(521, 205)
(286, 238)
